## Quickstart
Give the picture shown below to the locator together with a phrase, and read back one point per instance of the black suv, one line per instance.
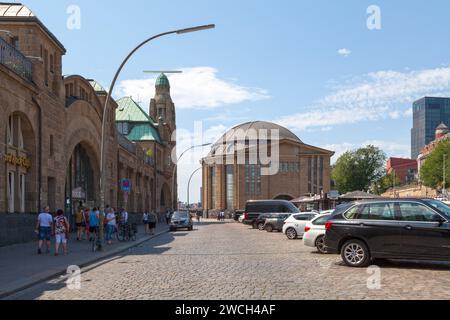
(253, 209)
(389, 229)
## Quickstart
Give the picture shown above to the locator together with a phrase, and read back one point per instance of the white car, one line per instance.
(294, 226)
(314, 233)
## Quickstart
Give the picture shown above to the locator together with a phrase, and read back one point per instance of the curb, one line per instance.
(85, 267)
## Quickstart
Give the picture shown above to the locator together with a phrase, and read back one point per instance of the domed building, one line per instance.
(262, 160)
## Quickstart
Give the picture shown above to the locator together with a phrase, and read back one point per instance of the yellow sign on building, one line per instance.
(18, 161)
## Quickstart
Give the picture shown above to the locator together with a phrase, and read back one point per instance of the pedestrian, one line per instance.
(145, 220)
(94, 220)
(79, 222)
(110, 225)
(44, 229)
(152, 222)
(87, 233)
(61, 229)
(168, 217)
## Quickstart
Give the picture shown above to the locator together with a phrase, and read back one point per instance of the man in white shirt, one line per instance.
(44, 229)
(124, 217)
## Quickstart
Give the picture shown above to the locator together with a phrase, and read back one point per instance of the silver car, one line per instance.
(181, 220)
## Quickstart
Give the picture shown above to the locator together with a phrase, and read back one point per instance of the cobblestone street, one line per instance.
(229, 261)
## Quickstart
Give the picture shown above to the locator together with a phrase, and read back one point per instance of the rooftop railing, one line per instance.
(15, 60)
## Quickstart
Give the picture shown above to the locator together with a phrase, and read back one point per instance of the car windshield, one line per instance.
(180, 215)
(442, 207)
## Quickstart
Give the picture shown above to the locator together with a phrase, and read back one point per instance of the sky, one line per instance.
(340, 74)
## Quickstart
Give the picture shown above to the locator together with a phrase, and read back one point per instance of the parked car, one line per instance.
(294, 226)
(276, 221)
(314, 235)
(237, 214)
(181, 220)
(254, 208)
(241, 219)
(416, 229)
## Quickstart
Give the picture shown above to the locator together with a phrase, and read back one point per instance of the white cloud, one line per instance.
(195, 88)
(344, 52)
(191, 160)
(375, 96)
(392, 149)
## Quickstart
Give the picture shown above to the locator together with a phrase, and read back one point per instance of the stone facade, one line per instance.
(50, 136)
(303, 170)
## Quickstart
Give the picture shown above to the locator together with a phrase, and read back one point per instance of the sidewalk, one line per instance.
(21, 266)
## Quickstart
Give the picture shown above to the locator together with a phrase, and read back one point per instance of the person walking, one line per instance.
(87, 233)
(44, 229)
(79, 222)
(61, 229)
(145, 220)
(168, 217)
(110, 225)
(94, 220)
(152, 222)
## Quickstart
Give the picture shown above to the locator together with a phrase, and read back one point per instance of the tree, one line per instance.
(357, 170)
(385, 183)
(432, 171)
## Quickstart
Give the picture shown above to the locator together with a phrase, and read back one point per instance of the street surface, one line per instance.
(230, 261)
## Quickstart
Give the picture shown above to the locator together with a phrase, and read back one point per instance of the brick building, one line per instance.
(50, 132)
(228, 185)
(405, 170)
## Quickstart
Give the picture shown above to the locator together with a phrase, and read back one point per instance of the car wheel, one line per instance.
(355, 254)
(269, 228)
(291, 234)
(260, 226)
(320, 245)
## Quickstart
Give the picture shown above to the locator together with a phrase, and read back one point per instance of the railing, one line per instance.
(15, 60)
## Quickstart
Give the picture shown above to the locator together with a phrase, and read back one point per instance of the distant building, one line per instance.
(428, 113)
(404, 169)
(441, 134)
(303, 169)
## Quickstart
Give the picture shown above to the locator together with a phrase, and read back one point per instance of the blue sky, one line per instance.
(270, 60)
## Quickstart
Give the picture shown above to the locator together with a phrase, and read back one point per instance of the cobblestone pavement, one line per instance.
(230, 261)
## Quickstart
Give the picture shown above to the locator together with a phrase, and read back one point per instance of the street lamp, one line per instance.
(189, 185)
(176, 165)
(111, 88)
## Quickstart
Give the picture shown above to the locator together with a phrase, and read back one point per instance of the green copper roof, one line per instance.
(97, 86)
(162, 80)
(144, 132)
(130, 111)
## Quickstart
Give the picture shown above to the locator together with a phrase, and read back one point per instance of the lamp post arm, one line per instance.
(189, 185)
(105, 110)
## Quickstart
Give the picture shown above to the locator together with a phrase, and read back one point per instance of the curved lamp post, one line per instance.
(189, 186)
(176, 166)
(111, 88)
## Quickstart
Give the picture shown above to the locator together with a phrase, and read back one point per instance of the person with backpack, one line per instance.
(61, 229)
(152, 222)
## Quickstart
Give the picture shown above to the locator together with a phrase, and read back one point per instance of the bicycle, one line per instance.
(97, 241)
(127, 232)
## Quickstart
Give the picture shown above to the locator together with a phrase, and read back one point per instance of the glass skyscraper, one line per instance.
(428, 114)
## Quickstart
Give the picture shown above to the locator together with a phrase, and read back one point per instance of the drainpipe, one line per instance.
(39, 153)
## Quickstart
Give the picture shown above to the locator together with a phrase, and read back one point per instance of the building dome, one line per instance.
(243, 133)
(441, 131)
(162, 81)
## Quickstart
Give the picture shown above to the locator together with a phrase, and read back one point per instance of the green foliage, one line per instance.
(385, 183)
(432, 173)
(357, 170)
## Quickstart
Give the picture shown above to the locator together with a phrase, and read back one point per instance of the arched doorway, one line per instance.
(21, 166)
(82, 187)
(284, 197)
(165, 198)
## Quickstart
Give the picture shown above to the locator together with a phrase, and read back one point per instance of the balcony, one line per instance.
(15, 61)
